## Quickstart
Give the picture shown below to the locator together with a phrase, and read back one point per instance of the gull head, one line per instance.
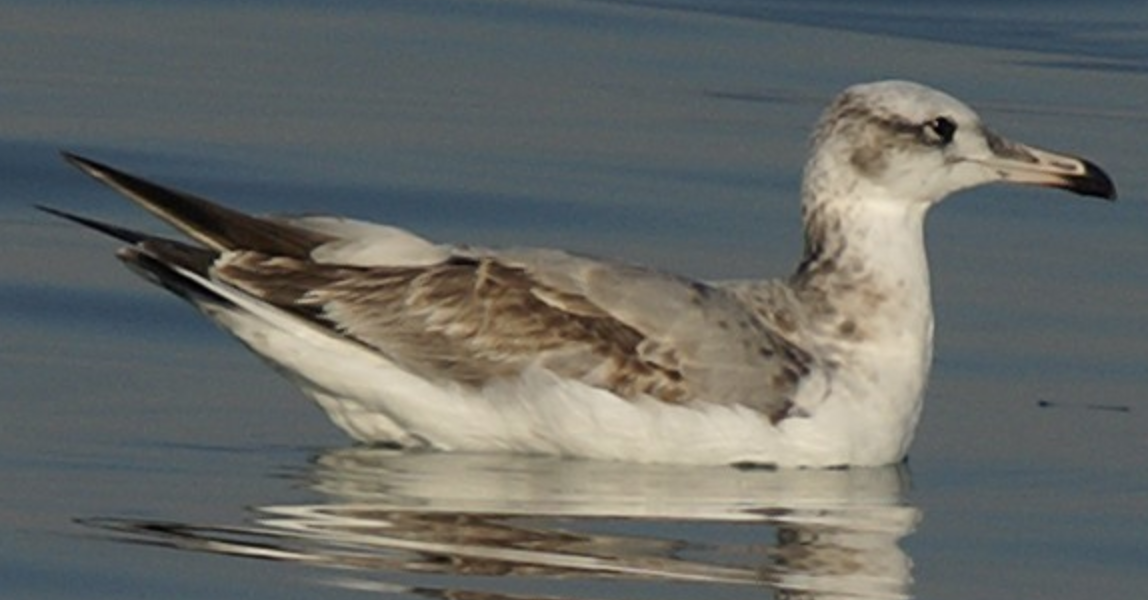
(900, 141)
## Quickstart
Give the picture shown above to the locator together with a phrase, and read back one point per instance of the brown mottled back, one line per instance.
(469, 320)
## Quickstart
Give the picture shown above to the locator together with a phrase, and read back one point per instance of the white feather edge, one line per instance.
(365, 244)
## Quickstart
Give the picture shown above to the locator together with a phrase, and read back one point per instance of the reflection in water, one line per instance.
(807, 534)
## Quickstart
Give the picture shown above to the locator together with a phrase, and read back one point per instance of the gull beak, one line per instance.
(1019, 163)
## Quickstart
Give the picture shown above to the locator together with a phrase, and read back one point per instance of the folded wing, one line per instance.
(471, 316)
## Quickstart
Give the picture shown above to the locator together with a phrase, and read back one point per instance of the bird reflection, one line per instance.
(453, 520)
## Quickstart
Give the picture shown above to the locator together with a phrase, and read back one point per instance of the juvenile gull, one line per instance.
(407, 342)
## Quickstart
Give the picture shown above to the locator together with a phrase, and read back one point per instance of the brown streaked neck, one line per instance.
(864, 274)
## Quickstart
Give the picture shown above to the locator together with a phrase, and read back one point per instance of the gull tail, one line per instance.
(216, 227)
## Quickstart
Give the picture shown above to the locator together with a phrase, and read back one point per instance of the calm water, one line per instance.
(146, 455)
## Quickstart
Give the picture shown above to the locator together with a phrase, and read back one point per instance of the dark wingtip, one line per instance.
(120, 233)
(210, 224)
(1093, 182)
(96, 169)
(80, 162)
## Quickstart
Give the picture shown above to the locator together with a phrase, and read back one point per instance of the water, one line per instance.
(146, 455)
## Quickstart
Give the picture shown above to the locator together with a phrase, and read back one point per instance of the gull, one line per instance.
(411, 343)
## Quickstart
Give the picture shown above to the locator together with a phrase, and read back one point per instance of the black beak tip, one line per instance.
(1094, 182)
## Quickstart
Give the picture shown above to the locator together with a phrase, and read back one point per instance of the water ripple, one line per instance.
(444, 524)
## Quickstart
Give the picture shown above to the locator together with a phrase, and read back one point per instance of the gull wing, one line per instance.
(475, 316)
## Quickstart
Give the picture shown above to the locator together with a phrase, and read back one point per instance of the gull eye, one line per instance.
(940, 130)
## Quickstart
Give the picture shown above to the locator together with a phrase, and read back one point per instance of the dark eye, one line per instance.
(940, 130)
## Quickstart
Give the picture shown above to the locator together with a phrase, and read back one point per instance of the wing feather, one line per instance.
(472, 316)
(468, 320)
(476, 318)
